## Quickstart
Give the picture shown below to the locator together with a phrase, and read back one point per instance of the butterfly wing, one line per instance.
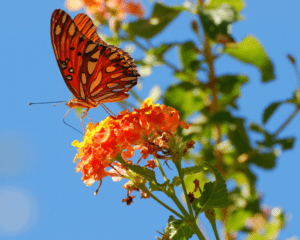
(91, 68)
(86, 27)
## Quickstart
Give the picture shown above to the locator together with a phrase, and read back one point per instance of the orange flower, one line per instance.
(104, 9)
(146, 129)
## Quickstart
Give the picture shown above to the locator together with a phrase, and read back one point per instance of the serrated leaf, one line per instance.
(143, 171)
(184, 97)
(161, 16)
(187, 171)
(192, 170)
(178, 230)
(270, 110)
(249, 50)
(238, 5)
(216, 21)
(214, 194)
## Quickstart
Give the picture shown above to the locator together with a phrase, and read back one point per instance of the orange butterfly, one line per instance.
(93, 71)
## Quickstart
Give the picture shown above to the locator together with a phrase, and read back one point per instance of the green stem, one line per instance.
(145, 189)
(287, 121)
(140, 45)
(161, 170)
(197, 231)
(184, 190)
(136, 96)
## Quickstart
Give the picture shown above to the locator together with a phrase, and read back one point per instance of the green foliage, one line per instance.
(188, 57)
(238, 5)
(185, 97)
(216, 21)
(161, 16)
(222, 135)
(264, 160)
(271, 140)
(229, 87)
(270, 110)
(143, 171)
(249, 50)
(239, 137)
(214, 194)
(187, 171)
(159, 52)
(178, 229)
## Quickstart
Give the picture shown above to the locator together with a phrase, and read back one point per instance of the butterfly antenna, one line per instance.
(107, 110)
(69, 124)
(58, 102)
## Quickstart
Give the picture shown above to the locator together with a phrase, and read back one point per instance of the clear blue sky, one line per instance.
(46, 197)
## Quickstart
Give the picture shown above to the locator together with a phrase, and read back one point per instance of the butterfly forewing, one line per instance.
(92, 70)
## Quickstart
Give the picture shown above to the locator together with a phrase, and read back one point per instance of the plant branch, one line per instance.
(184, 190)
(145, 189)
(287, 121)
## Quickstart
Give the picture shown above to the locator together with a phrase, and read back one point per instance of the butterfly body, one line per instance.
(94, 71)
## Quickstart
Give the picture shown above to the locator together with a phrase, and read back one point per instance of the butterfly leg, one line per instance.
(69, 124)
(89, 118)
(84, 114)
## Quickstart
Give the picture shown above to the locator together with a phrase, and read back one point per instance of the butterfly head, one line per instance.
(82, 103)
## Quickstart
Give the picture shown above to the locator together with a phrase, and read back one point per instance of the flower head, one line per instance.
(146, 129)
(104, 9)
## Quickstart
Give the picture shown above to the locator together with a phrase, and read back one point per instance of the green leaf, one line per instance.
(187, 171)
(159, 51)
(188, 55)
(185, 97)
(244, 177)
(256, 128)
(190, 185)
(270, 110)
(221, 117)
(178, 229)
(154, 186)
(192, 170)
(286, 143)
(143, 171)
(216, 21)
(237, 220)
(238, 5)
(161, 16)
(230, 89)
(231, 83)
(239, 137)
(214, 194)
(249, 50)
(264, 160)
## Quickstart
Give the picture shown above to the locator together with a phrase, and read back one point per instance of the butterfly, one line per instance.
(94, 71)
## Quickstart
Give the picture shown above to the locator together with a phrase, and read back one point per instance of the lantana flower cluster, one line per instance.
(145, 129)
(105, 9)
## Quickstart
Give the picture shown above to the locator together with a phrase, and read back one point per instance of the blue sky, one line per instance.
(41, 195)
